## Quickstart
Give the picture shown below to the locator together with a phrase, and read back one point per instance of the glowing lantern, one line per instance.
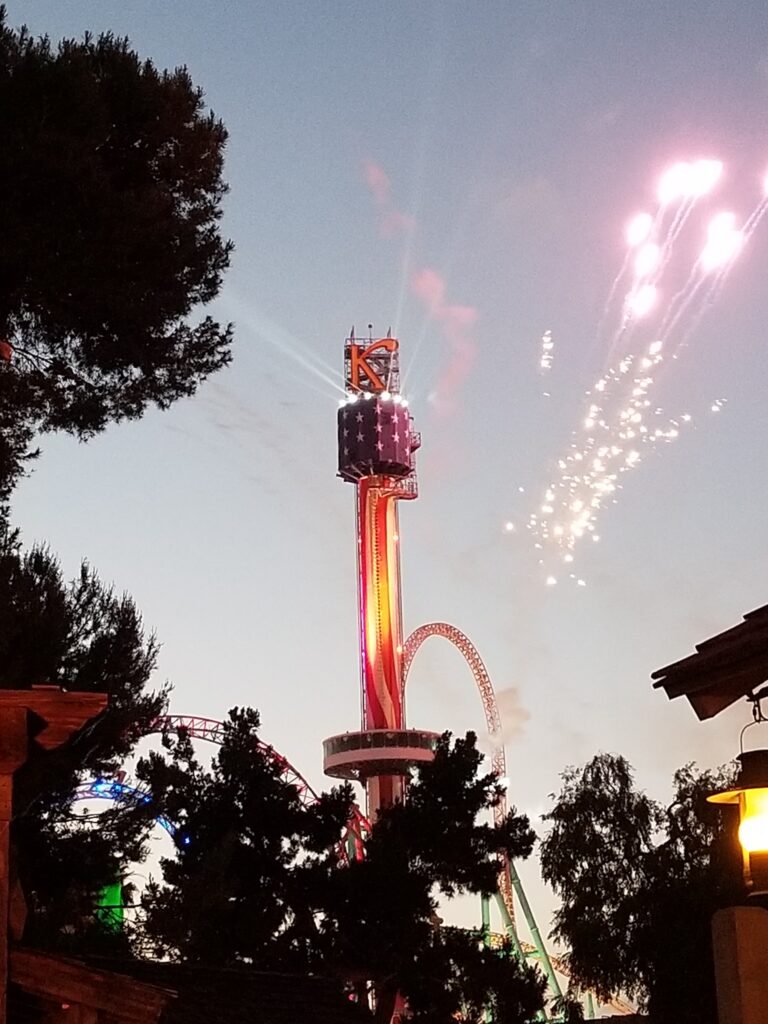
(751, 796)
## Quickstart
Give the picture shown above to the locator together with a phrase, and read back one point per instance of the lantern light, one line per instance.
(753, 830)
(750, 794)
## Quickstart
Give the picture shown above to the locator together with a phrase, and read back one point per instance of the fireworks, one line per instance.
(547, 352)
(621, 424)
(642, 301)
(638, 229)
(724, 240)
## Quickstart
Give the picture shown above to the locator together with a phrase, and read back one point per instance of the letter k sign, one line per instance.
(359, 363)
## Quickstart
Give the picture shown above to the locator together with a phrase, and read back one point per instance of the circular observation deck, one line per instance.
(360, 755)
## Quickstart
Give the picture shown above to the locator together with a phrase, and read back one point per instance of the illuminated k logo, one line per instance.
(358, 363)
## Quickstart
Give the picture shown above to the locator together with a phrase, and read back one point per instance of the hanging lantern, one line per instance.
(751, 796)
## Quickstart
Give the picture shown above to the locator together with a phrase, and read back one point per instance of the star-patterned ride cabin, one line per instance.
(376, 435)
(376, 438)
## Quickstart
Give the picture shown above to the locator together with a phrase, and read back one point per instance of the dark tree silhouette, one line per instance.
(639, 883)
(110, 197)
(251, 859)
(257, 878)
(81, 636)
(383, 912)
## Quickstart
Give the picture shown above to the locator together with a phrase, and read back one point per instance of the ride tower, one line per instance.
(377, 446)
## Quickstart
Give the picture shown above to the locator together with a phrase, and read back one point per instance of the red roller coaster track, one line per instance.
(508, 876)
(213, 731)
(469, 652)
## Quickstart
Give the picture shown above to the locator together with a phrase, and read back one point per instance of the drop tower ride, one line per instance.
(377, 446)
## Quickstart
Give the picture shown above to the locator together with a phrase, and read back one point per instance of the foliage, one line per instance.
(639, 883)
(383, 910)
(382, 916)
(454, 978)
(257, 877)
(250, 857)
(110, 197)
(80, 636)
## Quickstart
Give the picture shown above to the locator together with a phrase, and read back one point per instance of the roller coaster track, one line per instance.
(213, 731)
(469, 652)
(509, 881)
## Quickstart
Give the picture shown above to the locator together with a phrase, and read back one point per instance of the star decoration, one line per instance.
(359, 437)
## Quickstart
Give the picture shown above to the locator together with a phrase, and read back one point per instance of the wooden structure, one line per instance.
(239, 995)
(44, 988)
(44, 716)
(740, 945)
(724, 668)
(48, 989)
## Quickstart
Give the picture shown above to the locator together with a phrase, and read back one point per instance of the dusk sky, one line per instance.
(464, 173)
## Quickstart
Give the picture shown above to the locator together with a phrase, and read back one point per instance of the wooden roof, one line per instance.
(50, 989)
(211, 995)
(44, 986)
(724, 668)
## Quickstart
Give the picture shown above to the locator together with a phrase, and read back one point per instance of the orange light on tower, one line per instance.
(377, 444)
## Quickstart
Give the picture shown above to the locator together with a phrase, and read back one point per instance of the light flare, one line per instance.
(704, 175)
(674, 183)
(639, 229)
(647, 260)
(642, 300)
(724, 241)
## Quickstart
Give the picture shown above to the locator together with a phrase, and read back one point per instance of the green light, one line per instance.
(109, 907)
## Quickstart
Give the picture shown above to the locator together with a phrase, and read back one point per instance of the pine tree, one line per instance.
(383, 910)
(110, 198)
(258, 879)
(251, 858)
(80, 636)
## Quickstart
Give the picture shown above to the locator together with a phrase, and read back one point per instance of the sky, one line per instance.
(464, 173)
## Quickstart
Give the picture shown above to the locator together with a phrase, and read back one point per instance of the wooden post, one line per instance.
(740, 946)
(49, 716)
(14, 744)
(6, 799)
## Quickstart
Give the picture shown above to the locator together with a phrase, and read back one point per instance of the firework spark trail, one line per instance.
(547, 352)
(651, 257)
(718, 283)
(753, 221)
(638, 303)
(710, 296)
(612, 294)
(686, 183)
(640, 233)
(677, 225)
(621, 424)
(681, 301)
(724, 243)
(618, 425)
